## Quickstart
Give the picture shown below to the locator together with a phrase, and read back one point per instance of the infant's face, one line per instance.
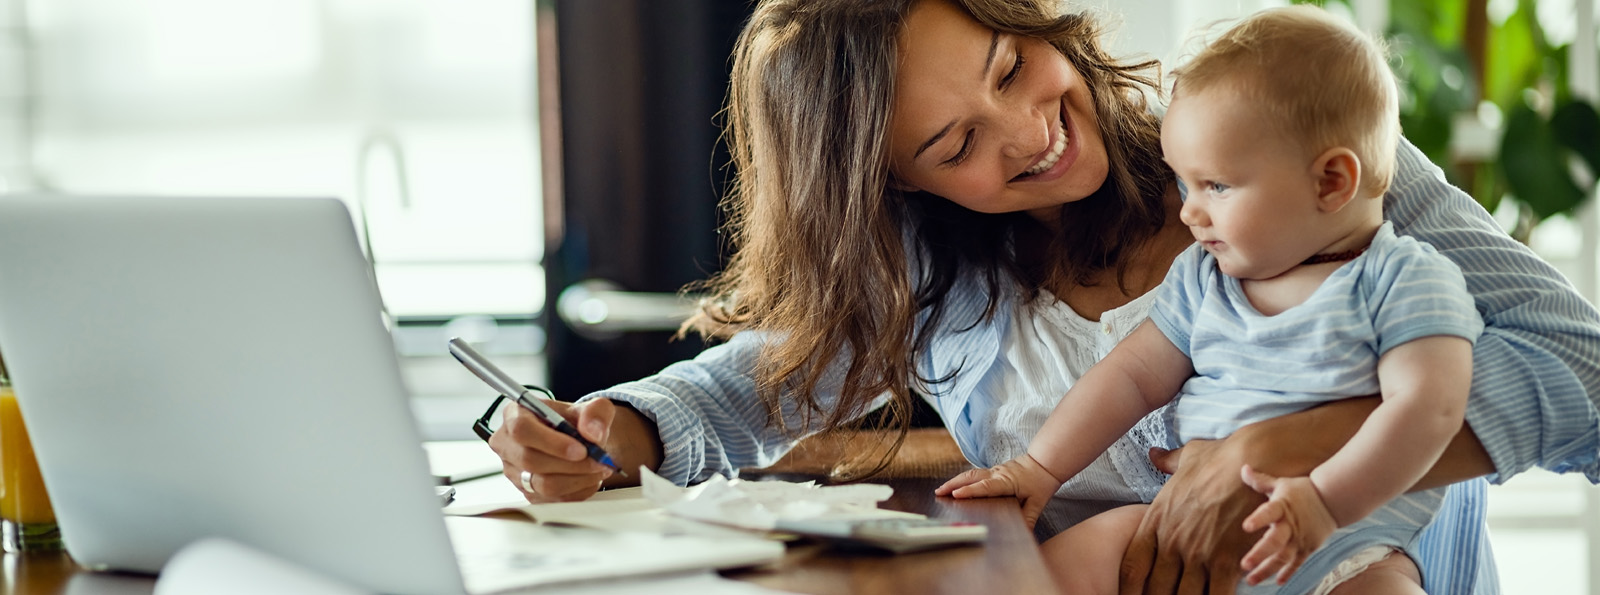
(1252, 193)
(994, 123)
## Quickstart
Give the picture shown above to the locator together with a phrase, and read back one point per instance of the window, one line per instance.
(419, 114)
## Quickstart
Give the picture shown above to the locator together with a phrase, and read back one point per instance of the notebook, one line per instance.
(194, 367)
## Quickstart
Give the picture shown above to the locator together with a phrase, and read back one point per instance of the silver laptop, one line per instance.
(193, 367)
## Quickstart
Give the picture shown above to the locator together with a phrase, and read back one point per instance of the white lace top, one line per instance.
(1046, 349)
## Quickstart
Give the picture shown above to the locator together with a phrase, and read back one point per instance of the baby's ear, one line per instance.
(1338, 176)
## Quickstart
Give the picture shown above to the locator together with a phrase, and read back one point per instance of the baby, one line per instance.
(1282, 134)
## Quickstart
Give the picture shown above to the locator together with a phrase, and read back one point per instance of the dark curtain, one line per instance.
(641, 170)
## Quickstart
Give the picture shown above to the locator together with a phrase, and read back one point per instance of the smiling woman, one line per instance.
(904, 225)
(1003, 132)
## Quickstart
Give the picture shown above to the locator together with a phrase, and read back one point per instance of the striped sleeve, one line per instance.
(1179, 295)
(1420, 294)
(708, 416)
(1536, 367)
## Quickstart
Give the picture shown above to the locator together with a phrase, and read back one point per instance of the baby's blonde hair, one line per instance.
(1316, 80)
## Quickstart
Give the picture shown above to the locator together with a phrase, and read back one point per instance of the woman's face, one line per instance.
(996, 123)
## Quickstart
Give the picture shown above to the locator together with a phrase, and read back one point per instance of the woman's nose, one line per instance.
(1028, 133)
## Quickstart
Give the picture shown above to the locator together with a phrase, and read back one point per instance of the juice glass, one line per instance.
(29, 524)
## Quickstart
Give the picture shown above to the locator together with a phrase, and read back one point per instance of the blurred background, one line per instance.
(541, 176)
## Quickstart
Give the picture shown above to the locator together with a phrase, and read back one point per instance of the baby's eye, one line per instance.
(1216, 188)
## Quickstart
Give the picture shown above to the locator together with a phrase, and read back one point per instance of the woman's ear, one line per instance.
(1338, 176)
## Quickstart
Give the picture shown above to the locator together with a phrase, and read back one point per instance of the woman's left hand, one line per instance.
(1192, 538)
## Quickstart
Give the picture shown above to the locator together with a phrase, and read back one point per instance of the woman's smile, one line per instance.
(1057, 160)
(994, 122)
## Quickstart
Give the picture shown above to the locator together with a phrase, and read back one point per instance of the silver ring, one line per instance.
(527, 482)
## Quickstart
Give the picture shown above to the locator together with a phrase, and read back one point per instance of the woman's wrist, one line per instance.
(632, 442)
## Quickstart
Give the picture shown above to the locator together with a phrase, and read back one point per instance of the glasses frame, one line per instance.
(481, 425)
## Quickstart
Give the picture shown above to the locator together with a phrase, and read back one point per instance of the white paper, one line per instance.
(760, 505)
(659, 506)
(216, 565)
(495, 494)
(461, 460)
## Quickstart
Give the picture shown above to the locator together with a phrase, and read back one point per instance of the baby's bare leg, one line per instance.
(1396, 574)
(1086, 558)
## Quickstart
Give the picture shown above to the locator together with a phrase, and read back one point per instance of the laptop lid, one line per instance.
(191, 367)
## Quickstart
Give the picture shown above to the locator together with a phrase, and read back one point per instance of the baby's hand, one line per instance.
(1299, 523)
(1022, 477)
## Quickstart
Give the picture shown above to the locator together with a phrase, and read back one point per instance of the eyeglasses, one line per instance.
(486, 426)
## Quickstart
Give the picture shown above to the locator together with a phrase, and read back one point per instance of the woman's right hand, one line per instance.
(559, 467)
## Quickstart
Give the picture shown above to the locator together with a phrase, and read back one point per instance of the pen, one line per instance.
(514, 390)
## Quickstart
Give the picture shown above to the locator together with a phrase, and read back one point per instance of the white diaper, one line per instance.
(1352, 566)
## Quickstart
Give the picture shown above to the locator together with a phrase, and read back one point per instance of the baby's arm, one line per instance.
(1424, 384)
(1142, 373)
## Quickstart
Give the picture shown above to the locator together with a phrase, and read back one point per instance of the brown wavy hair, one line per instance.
(817, 230)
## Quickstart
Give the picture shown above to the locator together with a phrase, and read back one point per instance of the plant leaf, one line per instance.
(1535, 164)
(1577, 125)
(1513, 60)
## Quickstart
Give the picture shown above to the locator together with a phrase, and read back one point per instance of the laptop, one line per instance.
(195, 367)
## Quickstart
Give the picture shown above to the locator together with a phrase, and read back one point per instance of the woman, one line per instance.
(932, 198)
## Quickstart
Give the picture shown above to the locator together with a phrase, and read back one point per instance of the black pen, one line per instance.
(514, 390)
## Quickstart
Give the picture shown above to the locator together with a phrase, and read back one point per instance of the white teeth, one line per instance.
(1051, 158)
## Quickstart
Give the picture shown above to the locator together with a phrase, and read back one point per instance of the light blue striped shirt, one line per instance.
(1250, 367)
(1534, 367)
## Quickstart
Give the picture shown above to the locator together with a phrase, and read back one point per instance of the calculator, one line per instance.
(898, 535)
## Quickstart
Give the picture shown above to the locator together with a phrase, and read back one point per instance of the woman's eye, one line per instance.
(961, 155)
(1015, 68)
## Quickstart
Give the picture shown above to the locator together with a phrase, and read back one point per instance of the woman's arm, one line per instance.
(693, 419)
(1536, 368)
(1296, 443)
(1301, 441)
(1192, 534)
(707, 415)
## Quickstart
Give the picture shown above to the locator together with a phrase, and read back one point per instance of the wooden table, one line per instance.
(1008, 563)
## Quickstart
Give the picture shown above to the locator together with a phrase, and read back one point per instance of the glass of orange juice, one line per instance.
(29, 524)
